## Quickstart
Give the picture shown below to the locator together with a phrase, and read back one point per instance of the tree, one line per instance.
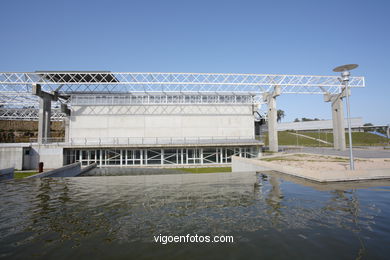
(296, 120)
(279, 115)
(368, 129)
(304, 119)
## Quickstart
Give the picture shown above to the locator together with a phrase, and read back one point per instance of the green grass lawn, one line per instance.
(21, 175)
(286, 138)
(327, 137)
(205, 170)
(358, 139)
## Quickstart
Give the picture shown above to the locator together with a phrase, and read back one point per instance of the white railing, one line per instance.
(50, 140)
(104, 141)
(88, 100)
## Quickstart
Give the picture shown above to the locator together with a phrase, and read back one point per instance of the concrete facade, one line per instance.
(146, 134)
(26, 157)
(156, 121)
(50, 155)
(11, 157)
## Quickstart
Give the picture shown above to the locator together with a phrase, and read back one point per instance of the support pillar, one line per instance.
(44, 119)
(66, 110)
(44, 112)
(272, 119)
(334, 124)
(340, 124)
(66, 126)
(337, 120)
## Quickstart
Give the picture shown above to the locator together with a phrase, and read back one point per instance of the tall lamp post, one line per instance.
(344, 69)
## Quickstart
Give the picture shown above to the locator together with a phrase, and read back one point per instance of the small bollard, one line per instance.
(40, 167)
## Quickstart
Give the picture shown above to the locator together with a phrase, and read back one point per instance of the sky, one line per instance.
(265, 37)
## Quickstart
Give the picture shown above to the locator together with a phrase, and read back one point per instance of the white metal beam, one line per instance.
(16, 87)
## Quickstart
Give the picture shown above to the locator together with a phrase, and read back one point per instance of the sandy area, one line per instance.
(328, 163)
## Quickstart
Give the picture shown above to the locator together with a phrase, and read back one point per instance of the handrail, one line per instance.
(102, 141)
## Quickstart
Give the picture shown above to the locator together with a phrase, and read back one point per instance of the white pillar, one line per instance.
(337, 120)
(272, 119)
(44, 119)
(340, 124)
(335, 132)
(272, 127)
(44, 111)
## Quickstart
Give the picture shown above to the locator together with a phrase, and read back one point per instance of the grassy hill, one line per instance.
(286, 138)
(358, 139)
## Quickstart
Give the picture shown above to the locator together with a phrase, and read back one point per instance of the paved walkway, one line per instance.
(240, 164)
(369, 152)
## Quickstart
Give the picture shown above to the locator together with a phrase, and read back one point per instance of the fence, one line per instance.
(148, 140)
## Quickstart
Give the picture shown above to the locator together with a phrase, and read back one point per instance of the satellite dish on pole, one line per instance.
(345, 67)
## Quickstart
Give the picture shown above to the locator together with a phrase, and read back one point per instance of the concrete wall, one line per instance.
(11, 157)
(27, 158)
(154, 121)
(70, 170)
(239, 165)
(50, 155)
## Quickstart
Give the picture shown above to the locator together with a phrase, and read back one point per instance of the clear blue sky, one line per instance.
(278, 37)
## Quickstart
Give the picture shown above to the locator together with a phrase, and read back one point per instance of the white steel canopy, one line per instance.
(16, 87)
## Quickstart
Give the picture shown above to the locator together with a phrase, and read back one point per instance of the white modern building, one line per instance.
(129, 130)
(147, 119)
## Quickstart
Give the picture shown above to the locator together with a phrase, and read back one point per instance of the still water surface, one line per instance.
(269, 216)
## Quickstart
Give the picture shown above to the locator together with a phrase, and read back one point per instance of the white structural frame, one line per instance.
(158, 88)
(172, 156)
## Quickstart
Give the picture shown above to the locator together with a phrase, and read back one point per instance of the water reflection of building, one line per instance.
(342, 210)
(274, 198)
(118, 206)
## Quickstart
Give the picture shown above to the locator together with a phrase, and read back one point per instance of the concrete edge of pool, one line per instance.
(240, 164)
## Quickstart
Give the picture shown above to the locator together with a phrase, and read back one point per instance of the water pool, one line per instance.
(269, 215)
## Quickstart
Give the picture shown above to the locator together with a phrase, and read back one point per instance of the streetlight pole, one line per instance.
(344, 80)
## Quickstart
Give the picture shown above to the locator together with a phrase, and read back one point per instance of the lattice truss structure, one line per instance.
(127, 88)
